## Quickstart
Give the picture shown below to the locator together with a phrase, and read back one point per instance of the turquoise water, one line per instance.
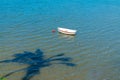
(26, 25)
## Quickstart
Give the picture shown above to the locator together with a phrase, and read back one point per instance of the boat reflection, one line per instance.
(61, 35)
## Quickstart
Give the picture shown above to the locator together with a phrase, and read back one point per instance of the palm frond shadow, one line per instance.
(36, 62)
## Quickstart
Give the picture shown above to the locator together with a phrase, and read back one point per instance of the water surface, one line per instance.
(26, 25)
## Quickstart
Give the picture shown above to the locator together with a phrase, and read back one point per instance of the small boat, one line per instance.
(67, 31)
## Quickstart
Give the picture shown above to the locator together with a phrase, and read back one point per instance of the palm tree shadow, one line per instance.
(36, 61)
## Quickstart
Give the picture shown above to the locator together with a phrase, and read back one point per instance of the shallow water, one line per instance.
(26, 25)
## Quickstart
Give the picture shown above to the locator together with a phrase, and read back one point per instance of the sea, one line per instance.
(27, 25)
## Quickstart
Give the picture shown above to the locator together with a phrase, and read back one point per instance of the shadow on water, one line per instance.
(36, 62)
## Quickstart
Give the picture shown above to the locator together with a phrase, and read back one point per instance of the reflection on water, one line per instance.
(61, 35)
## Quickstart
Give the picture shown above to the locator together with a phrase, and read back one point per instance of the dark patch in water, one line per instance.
(36, 62)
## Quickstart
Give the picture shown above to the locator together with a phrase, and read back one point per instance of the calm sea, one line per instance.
(26, 25)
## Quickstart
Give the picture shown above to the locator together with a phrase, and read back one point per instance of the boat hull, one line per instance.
(67, 31)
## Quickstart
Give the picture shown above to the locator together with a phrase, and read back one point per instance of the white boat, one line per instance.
(67, 31)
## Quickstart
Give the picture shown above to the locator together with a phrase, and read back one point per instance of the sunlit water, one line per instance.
(26, 25)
